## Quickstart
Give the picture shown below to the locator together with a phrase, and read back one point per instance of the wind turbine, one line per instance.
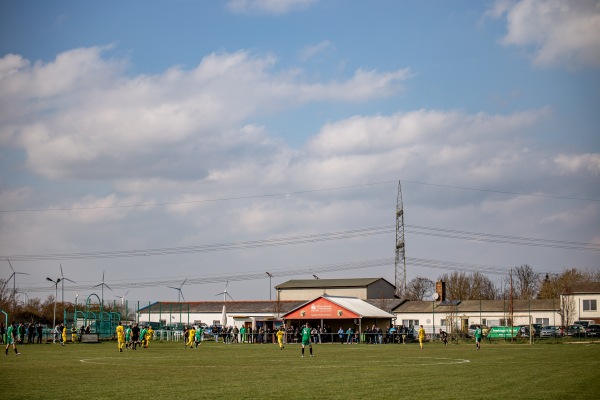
(224, 293)
(224, 313)
(123, 297)
(62, 285)
(179, 290)
(102, 286)
(25, 296)
(14, 278)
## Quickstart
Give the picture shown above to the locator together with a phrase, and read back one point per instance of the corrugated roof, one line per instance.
(519, 306)
(385, 304)
(327, 283)
(353, 304)
(358, 306)
(239, 307)
(585, 288)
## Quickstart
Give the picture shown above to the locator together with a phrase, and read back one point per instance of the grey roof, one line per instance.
(479, 305)
(328, 283)
(585, 288)
(241, 307)
(387, 305)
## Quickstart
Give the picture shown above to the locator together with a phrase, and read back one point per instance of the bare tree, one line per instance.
(419, 287)
(563, 285)
(525, 282)
(461, 286)
(482, 287)
(552, 286)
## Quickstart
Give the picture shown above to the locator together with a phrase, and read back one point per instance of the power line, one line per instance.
(503, 239)
(320, 237)
(285, 241)
(294, 193)
(504, 192)
(294, 271)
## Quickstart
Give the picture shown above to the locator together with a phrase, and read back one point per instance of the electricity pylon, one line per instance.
(400, 262)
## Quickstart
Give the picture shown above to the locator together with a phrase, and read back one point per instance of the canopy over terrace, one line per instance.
(338, 311)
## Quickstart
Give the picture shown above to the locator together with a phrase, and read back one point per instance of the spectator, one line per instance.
(21, 331)
(341, 335)
(349, 335)
(30, 333)
(39, 332)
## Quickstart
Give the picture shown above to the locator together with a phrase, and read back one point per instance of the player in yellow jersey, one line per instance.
(149, 335)
(421, 336)
(191, 336)
(120, 337)
(73, 334)
(280, 335)
(64, 335)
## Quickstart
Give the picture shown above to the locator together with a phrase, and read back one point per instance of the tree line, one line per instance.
(36, 310)
(523, 282)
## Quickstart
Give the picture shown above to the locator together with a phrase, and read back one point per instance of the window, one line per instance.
(543, 321)
(444, 322)
(409, 323)
(483, 321)
(589, 305)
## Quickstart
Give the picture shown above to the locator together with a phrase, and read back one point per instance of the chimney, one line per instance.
(440, 289)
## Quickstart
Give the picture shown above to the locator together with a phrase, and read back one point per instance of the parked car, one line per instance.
(523, 331)
(575, 330)
(551, 331)
(593, 330)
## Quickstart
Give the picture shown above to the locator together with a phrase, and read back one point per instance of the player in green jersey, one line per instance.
(306, 339)
(11, 339)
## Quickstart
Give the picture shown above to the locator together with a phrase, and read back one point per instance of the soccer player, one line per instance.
(444, 337)
(198, 336)
(149, 335)
(191, 337)
(64, 334)
(280, 335)
(135, 336)
(73, 334)
(421, 336)
(306, 339)
(478, 335)
(120, 337)
(128, 337)
(11, 339)
(143, 333)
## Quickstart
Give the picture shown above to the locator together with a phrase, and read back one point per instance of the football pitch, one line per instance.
(245, 371)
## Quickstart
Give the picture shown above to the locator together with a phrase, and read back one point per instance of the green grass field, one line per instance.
(243, 371)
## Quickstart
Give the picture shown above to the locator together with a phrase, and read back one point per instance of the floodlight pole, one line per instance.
(270, 276)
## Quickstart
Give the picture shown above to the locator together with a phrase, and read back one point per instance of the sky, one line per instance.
(155, 144)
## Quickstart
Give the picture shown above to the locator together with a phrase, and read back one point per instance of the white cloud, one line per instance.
(81, 116)
(555, 32)
(576, 164)
(310, 52)
(269, 6)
